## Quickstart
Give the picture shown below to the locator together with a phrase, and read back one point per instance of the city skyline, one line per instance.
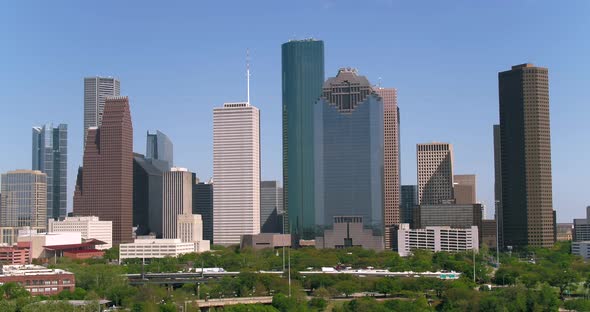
(471, 106)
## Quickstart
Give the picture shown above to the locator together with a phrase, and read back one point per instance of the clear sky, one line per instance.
(178, 59)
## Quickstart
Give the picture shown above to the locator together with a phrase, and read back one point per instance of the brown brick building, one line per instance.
(38, 280)
(105, 184)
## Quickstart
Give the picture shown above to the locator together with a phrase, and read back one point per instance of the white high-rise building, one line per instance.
(96, 90)
(236, 172)
(435, 173)
(89, 227)
(177, 198)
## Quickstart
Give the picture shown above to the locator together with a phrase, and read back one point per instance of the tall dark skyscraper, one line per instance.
(349, 151)
(409, 201)
(498, 182)
(147, 196)
(105, 183)
(50, 156)
(203, 205)
(159, 146)
(303, 78)
(527, 201)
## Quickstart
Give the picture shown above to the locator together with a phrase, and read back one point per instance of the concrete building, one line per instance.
(19, 253)
(525, 135)
(435, 173)
(236, 172)
(155, 248)
(464, 189)
(160, 147)
(409, 201)
(50, 156)
(302, 80)
(488, 233)
(265, 240)
(89, 228)
(147, 195)
(582, 249)
(39, 241)
(565, 231)
(271, 207)
(436, 238)
(190, 230)
(349, 231)
(582, 227)
(23, 203)
(177, 198)
(38, 280)
(453, 215)
(96, 90)
(104, 187)
(203, 205)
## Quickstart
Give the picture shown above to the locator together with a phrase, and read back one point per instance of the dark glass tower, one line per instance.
(203, 205)
(409, 201)
(303, 77)
(147, 195)
(526, 187)
(50, 156)
(159, 146)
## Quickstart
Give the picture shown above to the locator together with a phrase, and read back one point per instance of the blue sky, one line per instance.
(178, 59)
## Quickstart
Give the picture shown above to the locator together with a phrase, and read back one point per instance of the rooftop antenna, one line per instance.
(248, 76)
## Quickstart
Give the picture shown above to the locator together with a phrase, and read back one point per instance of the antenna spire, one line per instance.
(248, 76)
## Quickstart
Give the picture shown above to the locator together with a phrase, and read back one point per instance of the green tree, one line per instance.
(346, 287)
(387, 286)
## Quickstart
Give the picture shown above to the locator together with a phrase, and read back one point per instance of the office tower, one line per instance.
(96, 90)
(203, 206)
(177, 198)
(527, 200)
(89, 228)
(409, 201)
(453, 215)
(236, 172)
(104, 187)
(582, 228)
(435, 173)
(391, 160)
(464, 189)
(24, 203)
(50, 156)
(303, 78)
(271, 207)
(498, 183)
(147, 195)
(159, 147)
(349, 151)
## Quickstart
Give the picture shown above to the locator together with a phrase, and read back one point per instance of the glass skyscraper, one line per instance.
(349, 151)
(50, 156)
(303, 77)
(159, 146)
(409, 201)
(96, 90)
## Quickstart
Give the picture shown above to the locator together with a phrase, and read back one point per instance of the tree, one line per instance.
(318, 304)
(562, 280)
(347, 287)
(387, 286)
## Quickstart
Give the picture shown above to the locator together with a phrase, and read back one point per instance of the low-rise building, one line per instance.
(89, 227)
(41, 240)
(265, 240)
(19, 253)
(348, 231)
(582, 249)
(155, 248)
(38, 280)
(436, 238)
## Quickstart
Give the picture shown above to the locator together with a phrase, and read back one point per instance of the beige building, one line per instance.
(190, 230)
(435, 173)
(177, 198)
(265, 240)
(348, 231)
(89, 227)
(150, 248)
(464, 189)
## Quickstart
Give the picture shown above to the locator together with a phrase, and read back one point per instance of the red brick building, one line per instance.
(18, 253)
(105, 184)
(38, 280)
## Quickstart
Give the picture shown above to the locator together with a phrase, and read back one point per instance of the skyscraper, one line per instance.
(203, 205)
(177, 198)
(50, 156)
(96, 90)
(464, 189)
(391, 169)
(435, 173)
(271, 207)
(409, 201)
(159, 146)
(147, 195)
(527, 201)
(236, 172)
(349, 152)
(498, 182)
(105, 183)
(24, 203)
(303, 78)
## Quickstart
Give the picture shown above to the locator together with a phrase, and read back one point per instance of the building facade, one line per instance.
(38, 280)
(498, 182)
(453, 215)
(89, 227)
(582, 228)
(265, 240)
(203, 206)
(436, 238)
(349, 152)
(96, 90)
(347, 232)
(177, 199)
(154, 248)
(147, 195)
(271, 207)
(236, 172)
(189, 228)
(23, 203)
(464, 189)
(303, 78)
(409, 201)
(527, 200)
(489, 232)
(104, 187)
(160, 147)
(435, 173)
(19, 253)
(50, 156)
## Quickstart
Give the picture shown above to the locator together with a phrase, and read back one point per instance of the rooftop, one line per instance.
(29, 269)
